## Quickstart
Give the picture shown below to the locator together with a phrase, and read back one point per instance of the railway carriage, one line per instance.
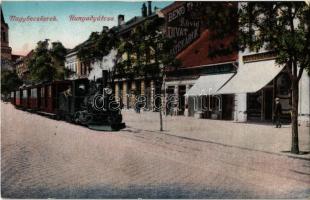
(42, 96)
(25, 97)
(18, 98)
(84, 102)
(12, 97)
(34, 99)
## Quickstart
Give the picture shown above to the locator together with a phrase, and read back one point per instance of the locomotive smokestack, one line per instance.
(149, 3)
(104, 78)
(121, 20)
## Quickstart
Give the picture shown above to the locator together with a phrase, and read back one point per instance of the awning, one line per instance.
(208, 85)
(251, 77)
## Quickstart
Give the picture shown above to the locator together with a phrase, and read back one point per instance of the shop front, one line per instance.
(258, 81)
(205, 103)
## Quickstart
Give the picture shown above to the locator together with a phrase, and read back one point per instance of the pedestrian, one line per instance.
(137, 106)
(278, 112)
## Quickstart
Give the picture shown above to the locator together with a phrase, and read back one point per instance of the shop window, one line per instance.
(283, 85)
(254, 105)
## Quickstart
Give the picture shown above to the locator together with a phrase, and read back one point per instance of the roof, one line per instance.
(133, 22)
(76, 48)
(16, 57)
(29, 54)
(197, 53)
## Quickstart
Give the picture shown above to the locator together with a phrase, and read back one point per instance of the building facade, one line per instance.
(252, 88)
(193, 47)
(73, 65)
(21, 65)
(127, 88)
(265, 80)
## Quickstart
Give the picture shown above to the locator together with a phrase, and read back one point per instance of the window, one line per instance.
(42, 92)
(25, 94)
(34, 93)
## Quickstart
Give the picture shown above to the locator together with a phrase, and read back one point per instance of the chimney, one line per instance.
(121, 20)
(149, 4)
(144, 10)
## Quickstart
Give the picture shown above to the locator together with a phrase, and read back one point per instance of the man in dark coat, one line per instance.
(278, 112)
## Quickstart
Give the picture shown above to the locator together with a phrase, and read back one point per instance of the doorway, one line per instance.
(182, 91)
(268, 98)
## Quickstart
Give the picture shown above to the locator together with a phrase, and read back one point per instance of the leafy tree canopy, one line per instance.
(9, 81)
(47, 64)
(282, 27)
(279, 26)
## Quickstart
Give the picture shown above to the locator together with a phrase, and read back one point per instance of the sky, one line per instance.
(23, 36)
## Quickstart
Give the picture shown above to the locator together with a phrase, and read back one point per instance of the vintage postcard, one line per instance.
(155, 99)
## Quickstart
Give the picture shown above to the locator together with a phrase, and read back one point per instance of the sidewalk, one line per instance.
(253, 136)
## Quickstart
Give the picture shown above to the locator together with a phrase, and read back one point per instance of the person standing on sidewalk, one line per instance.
(278, 113)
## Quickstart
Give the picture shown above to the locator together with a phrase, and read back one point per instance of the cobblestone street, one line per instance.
(45, 158)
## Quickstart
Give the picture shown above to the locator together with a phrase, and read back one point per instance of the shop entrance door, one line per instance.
(227, 107)
(182, 91)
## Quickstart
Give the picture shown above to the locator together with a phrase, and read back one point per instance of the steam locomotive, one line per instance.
(80, 101)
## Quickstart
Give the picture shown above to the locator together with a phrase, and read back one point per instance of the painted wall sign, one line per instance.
(183, 25)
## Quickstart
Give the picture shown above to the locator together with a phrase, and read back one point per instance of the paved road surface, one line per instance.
(44, 158)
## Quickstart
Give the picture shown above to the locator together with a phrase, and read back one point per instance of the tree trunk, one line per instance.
(294, 117)
(161, 119)
(160, 109)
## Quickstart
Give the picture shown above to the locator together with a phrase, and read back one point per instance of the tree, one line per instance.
(58, 53)
(9, 82)
(148, 53)
(47, 64)
(282, 27)
(97, 46)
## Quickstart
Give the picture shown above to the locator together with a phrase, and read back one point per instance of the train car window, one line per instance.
(42, 92)
(25, 94)
(17, 93)
(34, 92)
